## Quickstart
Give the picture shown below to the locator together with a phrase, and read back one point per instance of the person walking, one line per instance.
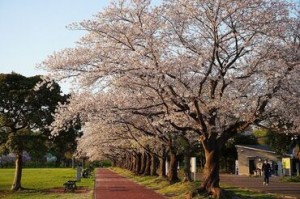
(266, 169)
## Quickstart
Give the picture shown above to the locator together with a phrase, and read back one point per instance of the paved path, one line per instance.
(110, 185)
(286, 189)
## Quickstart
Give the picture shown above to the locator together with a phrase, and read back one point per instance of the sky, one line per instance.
(30, 30)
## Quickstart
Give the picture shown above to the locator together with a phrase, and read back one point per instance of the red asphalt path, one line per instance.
(109, 185)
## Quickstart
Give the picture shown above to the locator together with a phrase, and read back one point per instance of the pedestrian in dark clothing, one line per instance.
(266, 169)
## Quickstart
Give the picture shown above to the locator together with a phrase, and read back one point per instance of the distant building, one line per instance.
(251, 157)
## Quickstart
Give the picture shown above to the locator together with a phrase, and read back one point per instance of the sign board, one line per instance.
(193, 165)
(167, 167)
(236, 167)
(286, 163)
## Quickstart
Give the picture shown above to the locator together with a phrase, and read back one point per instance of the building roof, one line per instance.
(264, 148)
(257, 147)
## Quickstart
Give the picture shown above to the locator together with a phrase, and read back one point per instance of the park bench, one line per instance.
(85, 173)
(70, 185)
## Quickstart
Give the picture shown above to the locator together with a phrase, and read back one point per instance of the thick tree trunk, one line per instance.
(147, 164)
(162, 163)
(132, 164)
(129, 161)
(143, 163)
(138, 163)
(187, 167)
(125, 162)
(153, 169)
(18, 173)
(211, 179)
(172, 171)
(162, 167)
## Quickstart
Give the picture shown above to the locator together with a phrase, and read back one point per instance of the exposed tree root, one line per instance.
(215, 192)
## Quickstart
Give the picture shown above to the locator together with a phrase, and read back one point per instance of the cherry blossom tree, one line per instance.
(110, 125)
(210, 67)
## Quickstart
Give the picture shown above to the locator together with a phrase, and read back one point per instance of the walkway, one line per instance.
(110, 185)
(286, 189)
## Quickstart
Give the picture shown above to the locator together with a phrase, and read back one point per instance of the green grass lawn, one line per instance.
(44, 183)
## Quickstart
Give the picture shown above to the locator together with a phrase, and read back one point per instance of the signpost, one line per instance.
(286, 165)
(236, 167)
(167, 167)
(193, 167)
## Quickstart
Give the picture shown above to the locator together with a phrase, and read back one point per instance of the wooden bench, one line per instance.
(85, 173)
(70, 185)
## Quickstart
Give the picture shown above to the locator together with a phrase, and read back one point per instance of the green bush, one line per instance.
(105, 163)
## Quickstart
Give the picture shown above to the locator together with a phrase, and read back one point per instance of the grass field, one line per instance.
(44, 184)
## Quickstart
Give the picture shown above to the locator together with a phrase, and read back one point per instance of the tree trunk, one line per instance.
(187, 166)
(83, 162)
(114, 162)
(211, 179)
(138, 163)
(147, 164)
(18, 173)
(172, 170)
(73, 162)
(133, 162)
(162, 163)
(58, 161)
(143, 163)
(153, 166)
(226, 164)
(128, 162)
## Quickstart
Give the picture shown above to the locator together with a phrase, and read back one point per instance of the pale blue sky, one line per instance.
(32, 29)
